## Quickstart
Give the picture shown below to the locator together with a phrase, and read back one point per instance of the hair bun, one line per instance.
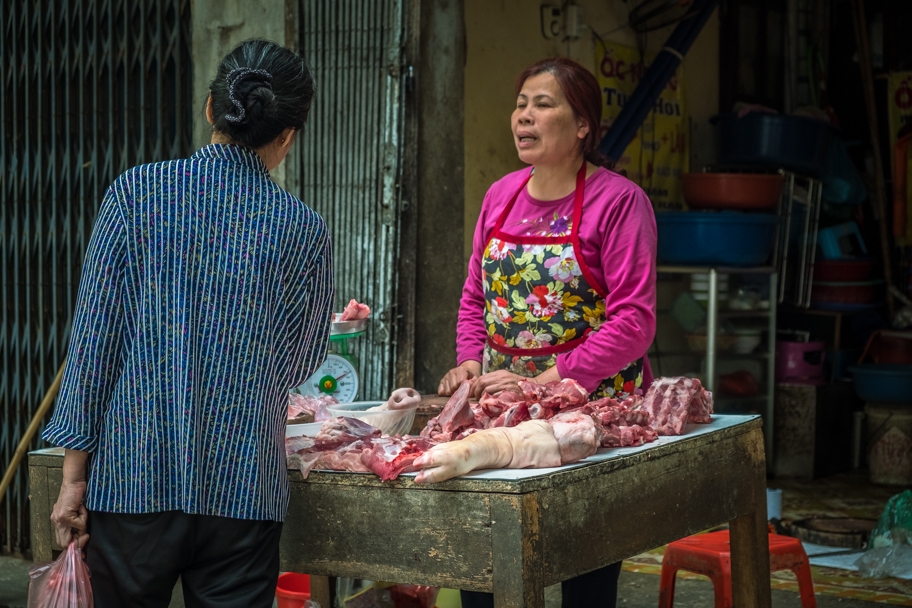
(259, 90)
(244, 83)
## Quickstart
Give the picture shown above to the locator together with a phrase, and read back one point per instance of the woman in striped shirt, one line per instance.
(206, 294)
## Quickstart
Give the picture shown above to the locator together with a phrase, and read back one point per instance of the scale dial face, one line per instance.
(336, 377)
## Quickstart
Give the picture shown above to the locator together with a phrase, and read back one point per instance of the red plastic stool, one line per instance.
(710, 555)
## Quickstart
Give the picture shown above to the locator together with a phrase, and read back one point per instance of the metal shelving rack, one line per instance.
(713, 315)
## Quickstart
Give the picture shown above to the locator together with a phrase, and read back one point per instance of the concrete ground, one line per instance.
(636, 590)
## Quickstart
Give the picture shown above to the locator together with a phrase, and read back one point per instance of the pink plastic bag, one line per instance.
(413, 596)
(63, 583)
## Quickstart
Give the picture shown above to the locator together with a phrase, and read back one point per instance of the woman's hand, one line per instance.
(495, 382)
(502, 380)
(467, 370)
(70, 513)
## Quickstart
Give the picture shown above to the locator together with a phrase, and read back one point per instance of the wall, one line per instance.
(504, 36)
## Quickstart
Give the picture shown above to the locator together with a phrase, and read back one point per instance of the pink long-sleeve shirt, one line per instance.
(618, 240)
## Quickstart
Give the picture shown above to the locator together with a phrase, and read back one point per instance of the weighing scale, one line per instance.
(338, 376)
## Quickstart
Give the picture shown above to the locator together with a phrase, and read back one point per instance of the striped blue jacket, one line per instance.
(206, 294)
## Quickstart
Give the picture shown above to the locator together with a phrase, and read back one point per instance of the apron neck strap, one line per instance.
(577, 201)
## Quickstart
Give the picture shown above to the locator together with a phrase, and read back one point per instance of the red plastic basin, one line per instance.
(741, 191)
(847, 292)
(842, 270)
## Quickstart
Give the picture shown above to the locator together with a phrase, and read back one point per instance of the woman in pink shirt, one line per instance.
(561, 282)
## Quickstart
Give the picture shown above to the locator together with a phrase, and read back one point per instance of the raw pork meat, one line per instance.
(390, 456)
(633, 402)
(621, 436)
(563, 394)
(400, 399)
(672, 402)
(537, 402)
(621, 426)
(355, 311)
(308, 404)
(577, 435)
(547, 425)
(342, 431)
(482, 420)
(539, 412)
(495, 406)
(529, 445)
(518, 412)
(700, 409)
(609, 411)
(341, 458)
(297, 444)
(403, 399)
(456, 415)
(336, 447)
(531, 391)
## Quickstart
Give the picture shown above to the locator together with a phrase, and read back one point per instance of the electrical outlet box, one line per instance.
(573, 21)
(551, 21)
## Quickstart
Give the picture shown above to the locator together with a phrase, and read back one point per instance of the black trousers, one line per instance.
(136, 559)
(596, 589)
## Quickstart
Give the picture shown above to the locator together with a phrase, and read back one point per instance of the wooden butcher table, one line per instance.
(514, 532)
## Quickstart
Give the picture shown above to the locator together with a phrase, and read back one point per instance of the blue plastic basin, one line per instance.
(729, 238)
(795, 142)
(883, 382)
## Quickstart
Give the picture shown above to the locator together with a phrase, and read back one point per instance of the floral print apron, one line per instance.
(542, 300)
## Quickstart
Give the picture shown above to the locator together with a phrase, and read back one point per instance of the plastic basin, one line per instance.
(883, 382)
(292, 590)
(308, 429)
(746, 340)
(776, 140)
(744, 191)
(726, 238)
(391, 422)
(887, 346)
(845, 292)
(843, 270)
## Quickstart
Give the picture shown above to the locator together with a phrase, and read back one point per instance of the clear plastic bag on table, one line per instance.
(355, 593)
(890, 544)
(62, 583)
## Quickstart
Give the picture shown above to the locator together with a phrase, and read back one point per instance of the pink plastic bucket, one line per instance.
(799, 362)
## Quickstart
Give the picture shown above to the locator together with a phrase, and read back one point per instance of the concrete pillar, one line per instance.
(219, 26)
(441, 271)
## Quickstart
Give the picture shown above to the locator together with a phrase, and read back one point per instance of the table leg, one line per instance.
(321, 588)
(517, 550)
(40, 506)
(750, 563)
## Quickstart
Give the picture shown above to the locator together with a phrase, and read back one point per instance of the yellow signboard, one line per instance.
(899, 102)
(660, 152)
(899, 112)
